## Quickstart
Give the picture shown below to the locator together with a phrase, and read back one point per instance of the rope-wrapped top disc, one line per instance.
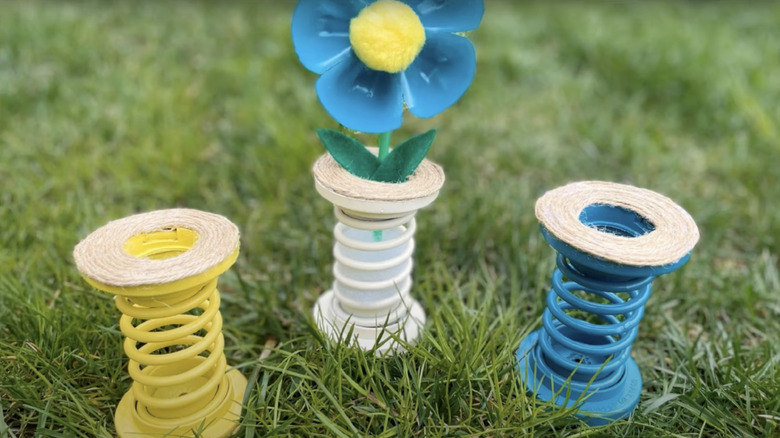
(103, 257)
(671, 235)
(426, 181)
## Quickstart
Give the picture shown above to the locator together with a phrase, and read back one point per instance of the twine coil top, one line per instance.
(673, 236)
(351, 192)
(425, 181)
(102, 257)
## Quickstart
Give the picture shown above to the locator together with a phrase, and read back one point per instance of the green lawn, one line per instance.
(113, 108)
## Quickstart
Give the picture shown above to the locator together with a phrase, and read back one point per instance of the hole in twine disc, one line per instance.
(160, 245)
(615, 220)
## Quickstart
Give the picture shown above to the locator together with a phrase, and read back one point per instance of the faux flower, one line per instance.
(375, 56)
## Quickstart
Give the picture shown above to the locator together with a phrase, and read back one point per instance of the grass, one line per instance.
(113, 108)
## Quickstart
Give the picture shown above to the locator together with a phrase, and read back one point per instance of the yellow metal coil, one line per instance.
(174, 341)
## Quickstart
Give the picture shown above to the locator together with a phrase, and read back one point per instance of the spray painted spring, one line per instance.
(612, 241)
(373, 271)
(197, 364)
(370, 295)
(372, 274)
(163, 269)
(578, 348)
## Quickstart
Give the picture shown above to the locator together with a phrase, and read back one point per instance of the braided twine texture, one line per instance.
(427, 180)
(101, 255)
(674, 236)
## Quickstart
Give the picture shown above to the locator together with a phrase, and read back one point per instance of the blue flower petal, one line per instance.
(360, 98)
(440, 75)
(448, 15)
(320, 31)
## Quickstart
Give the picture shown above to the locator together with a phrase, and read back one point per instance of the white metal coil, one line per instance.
(372, 271)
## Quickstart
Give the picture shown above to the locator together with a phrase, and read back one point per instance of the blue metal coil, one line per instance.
(578, 348)
(582, 353)
(581, 356)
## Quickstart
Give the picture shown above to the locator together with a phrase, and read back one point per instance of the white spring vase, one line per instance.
(369, 303)
(372, 274)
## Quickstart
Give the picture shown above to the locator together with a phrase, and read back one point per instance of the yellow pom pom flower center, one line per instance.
(387, 36)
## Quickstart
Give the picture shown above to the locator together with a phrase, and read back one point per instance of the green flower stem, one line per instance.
(384, 145)
(384, 150)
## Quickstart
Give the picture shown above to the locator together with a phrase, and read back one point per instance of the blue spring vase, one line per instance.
(581, 356)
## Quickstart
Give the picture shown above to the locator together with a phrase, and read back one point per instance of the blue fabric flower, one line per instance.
(369, 100)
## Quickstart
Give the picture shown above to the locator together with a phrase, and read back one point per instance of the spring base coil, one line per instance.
(573, 360)
(221, 422)
(570, 361)
(186, 390)
(603, 405)
(370, 298)
(369, 334)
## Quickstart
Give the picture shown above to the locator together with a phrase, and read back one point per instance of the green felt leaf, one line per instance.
(404, 158)
(351, 154)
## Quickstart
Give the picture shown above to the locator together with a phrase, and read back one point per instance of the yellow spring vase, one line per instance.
(163, 268)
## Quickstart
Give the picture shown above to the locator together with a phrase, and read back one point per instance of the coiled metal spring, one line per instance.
(372, 279)
(177, 374)
(163, 269)
(577, 348)
(612, 241)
